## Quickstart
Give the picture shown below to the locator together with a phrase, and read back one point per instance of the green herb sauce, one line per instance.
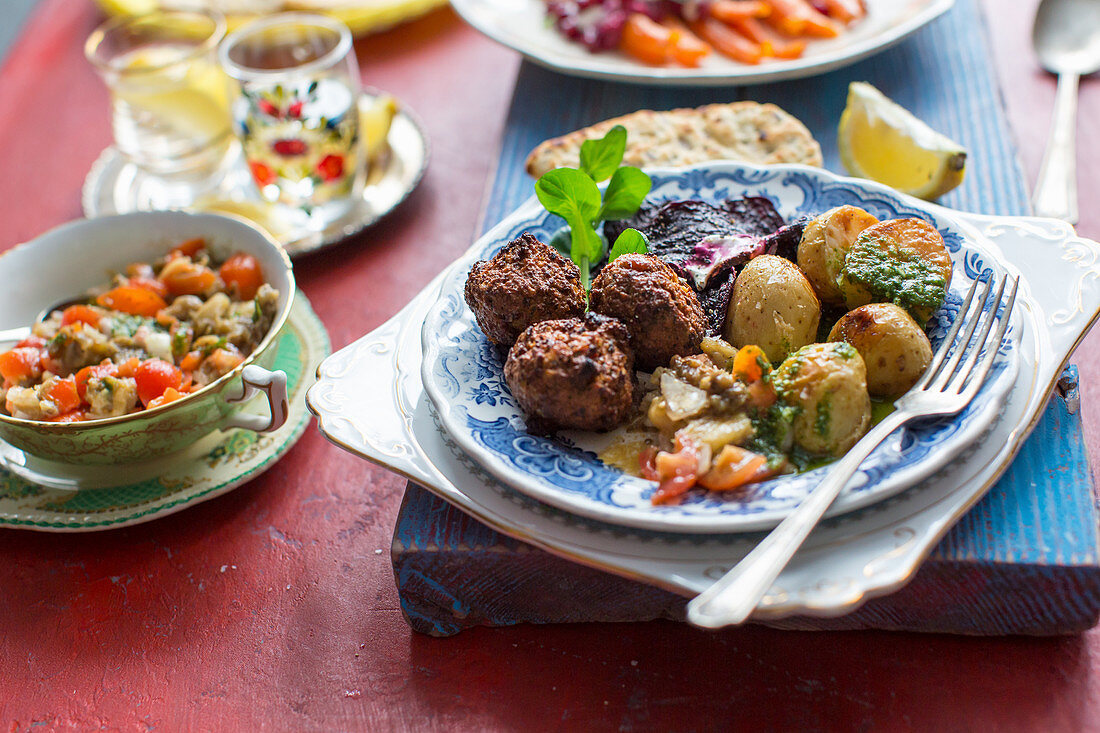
(894, 274)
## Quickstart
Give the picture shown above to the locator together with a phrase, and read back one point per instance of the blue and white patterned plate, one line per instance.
(462, 374)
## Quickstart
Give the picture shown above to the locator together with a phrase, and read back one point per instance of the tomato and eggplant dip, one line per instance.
(158, 332)
(739, 345)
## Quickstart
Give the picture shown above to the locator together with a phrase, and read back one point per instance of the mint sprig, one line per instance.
(631, 241)
(573, 194)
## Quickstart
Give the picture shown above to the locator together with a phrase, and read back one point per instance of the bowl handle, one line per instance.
(257, 379)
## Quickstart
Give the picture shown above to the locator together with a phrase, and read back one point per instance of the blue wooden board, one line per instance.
(1024, 560)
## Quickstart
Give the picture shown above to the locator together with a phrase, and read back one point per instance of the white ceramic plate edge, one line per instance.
(704, 522)
(828, 578)
(479, 14)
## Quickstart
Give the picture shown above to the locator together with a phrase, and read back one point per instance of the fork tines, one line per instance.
(961, 363)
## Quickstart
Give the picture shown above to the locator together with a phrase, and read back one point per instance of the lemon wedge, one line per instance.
(375, 117)
(881, 140)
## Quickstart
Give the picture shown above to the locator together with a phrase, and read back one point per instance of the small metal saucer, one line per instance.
(114, 185)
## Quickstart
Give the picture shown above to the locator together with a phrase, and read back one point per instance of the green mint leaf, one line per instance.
(631, 241)
(562, 241)
(600, 158)
(569, 193)
(587, 244)
(624, 194)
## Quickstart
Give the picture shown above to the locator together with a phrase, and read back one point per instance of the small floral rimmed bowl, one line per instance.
(75, 257)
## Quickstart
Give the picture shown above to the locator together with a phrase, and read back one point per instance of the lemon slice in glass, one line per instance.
(375, 117)
(881, 140)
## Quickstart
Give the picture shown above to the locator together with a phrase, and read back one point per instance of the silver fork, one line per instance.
(955, 375)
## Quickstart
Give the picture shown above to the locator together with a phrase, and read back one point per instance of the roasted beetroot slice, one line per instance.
(715, 297)
(784, 241)
(640, 221)
(755, 215)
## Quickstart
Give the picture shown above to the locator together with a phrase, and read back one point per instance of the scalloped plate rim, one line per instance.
(717, 523)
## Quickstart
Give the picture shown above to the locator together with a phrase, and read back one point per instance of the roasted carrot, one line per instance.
(646, 40)
(771, 41)
(728, 11)
(687, 48)
(749, 363)
(798, 17)
(727, 41)
(845, 10)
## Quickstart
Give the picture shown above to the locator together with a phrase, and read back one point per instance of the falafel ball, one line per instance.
(573, 373)
(525, 282)
(658, 307)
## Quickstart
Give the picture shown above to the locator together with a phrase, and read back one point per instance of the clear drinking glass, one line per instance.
(297, 113)
(169, 98)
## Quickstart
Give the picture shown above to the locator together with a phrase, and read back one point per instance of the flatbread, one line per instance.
(744, 131)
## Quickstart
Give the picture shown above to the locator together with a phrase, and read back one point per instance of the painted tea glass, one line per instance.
(169, 99)
(297, 113)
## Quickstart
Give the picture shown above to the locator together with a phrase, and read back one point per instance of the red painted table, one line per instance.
(274, 606)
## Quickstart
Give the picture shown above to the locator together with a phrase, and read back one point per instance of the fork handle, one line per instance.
(734, 597)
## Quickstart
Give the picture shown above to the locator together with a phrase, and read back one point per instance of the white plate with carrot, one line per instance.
(698, 42)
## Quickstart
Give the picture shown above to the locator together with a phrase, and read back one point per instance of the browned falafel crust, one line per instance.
(660, 310)
(574, 373)
(525, 282)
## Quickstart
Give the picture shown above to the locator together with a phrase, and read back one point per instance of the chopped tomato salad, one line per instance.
(152, 335)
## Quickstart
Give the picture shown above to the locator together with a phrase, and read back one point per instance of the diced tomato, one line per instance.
(71, 416)
(36, 341)
(735, 467)
(22, 362)
(151, 284)
(244, 271)
(104, 369)
(133, 300)
(191, 361)
(154, 377)
(63, 394)
(677, 472)
(762, 394)
(170, 395)
(225, 360)
(183, 277)
(140, 270)
(189, 248)
(647, 463)
(80, 313)
(49, 364)
(129, 367)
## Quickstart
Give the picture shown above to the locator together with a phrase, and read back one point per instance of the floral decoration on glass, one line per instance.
(300, 141)
(298, 114)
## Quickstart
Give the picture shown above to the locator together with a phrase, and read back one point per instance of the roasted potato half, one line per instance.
(824, 245)
(773, 306)
(895, 350)
(901, 261)
(827, 385)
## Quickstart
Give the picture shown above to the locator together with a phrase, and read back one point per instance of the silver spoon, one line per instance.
(19, 333)
(1066, 37)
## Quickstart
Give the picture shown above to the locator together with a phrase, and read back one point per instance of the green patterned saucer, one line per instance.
(214, 465)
